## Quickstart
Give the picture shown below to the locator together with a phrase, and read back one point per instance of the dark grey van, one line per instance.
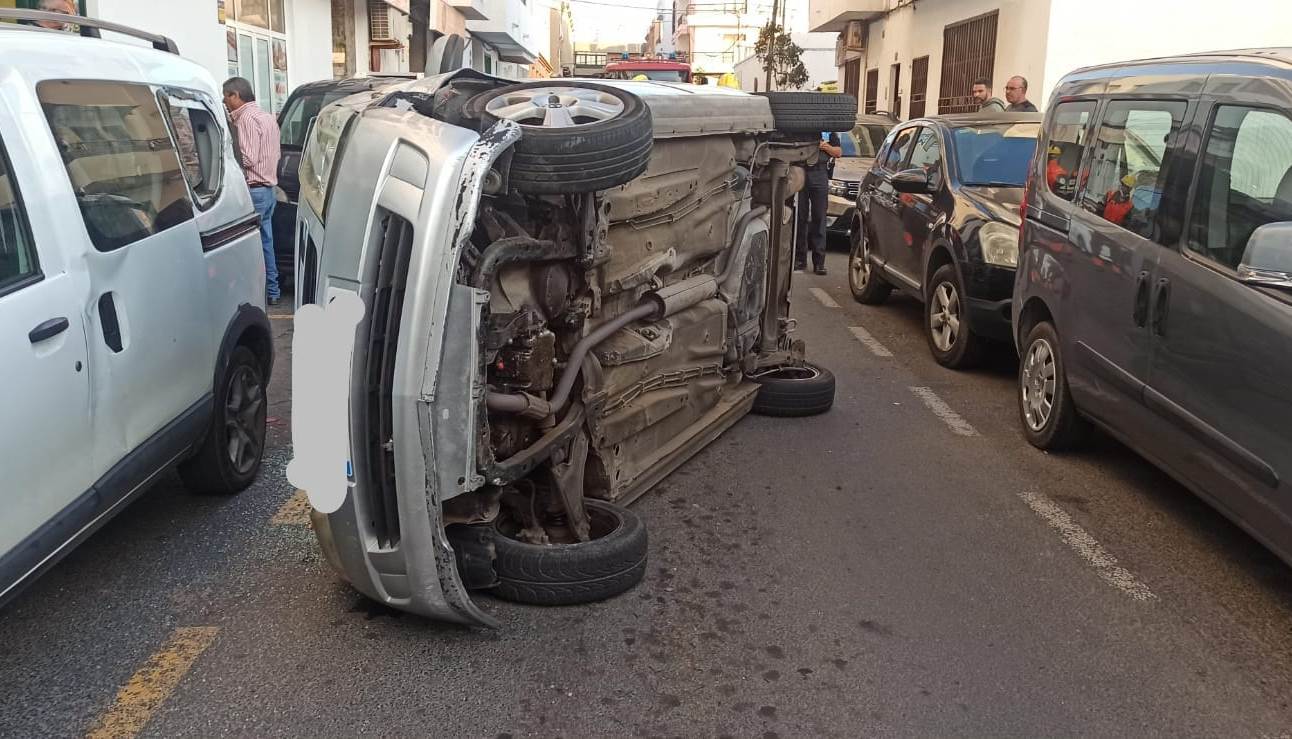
(1154, 288)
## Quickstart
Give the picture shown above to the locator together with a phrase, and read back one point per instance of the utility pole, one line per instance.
(767, 81)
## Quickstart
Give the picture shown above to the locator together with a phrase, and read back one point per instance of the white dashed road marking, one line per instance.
(1085, 545)
(870, 342)
(943, 411)
(823, 297)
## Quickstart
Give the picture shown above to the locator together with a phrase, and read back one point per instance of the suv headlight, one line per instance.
(839, 188)
(999, 242)
(320, 154)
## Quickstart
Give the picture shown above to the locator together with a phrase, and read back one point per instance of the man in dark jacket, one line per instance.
(981, 92)
(813, 201)
(1016, 94)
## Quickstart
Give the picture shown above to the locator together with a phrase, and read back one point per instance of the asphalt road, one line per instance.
(904, 565)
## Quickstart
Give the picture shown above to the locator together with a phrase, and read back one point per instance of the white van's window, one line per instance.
(1063, 150)
(1130, 159)
(123, 167)
(17, 251)
(1246, 182)
(201, 147)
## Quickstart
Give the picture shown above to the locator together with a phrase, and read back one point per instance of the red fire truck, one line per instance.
(663, 69)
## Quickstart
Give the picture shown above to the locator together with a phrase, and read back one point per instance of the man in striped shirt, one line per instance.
(256, 137)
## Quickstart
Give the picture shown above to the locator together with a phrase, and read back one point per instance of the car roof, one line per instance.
(348, 85)
(961, 120)
(1277, 56)
(38, 54)
(877, 119)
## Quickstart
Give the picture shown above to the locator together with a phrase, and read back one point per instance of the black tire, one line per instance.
(794, 391)
(585, 158)
(213, 469)
(965, 347)
(812, 112)
(865, 282)
(566, 574)
(1063, 428)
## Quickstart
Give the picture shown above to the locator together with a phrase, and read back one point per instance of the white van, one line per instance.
(133, 333)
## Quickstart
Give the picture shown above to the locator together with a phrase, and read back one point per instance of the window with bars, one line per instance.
(968, 52)
(872, 90)
(919, 86)
(379, 21)
(852, 78)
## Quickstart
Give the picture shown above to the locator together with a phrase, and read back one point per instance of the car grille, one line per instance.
(381, 501)
(853, 189)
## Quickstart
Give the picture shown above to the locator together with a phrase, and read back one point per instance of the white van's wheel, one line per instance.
(566, 574)
(577, 137)
(229, 457)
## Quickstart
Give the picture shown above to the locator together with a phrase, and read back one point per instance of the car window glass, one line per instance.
(300, 112)
(898, 149)
(200, 142)
(1130, 160)
(1063, 150)
(1245, 183)
(994, 154)
(17, 250)
(927, 155)
(124, 169)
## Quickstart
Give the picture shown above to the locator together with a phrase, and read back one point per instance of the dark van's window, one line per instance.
(1246, 182)
(124, 170)
(17, 251)
(897, 150)
(1129, 165)
(1063, 150)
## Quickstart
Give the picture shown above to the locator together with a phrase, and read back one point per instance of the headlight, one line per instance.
(999, 244)
(320, 154)
(839, 188)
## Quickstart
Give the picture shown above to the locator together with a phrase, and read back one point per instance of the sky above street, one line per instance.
(611, 21)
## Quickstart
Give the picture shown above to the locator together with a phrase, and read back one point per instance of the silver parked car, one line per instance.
(541, 298)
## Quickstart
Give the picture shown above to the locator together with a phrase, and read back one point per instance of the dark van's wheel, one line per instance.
(867, 286)
(566, 574)
(1050, 419)
(793, 391)
(946, 321)
(578, 137)
(812, 112)
(229, 457)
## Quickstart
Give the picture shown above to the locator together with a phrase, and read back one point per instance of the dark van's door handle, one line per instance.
(1160, 308)
(47, 330)
(1141, 299)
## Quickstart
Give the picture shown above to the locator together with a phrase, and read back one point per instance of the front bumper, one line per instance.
(991, 290)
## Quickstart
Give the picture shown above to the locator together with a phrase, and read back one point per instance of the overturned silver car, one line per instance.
(547, 296)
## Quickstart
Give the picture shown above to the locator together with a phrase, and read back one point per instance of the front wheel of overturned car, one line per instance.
(794, 390)
(229, 457)
(577, 137)
(613, 561)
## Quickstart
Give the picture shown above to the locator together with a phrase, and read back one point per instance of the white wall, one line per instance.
(817, 58)
(1086, 32)
(309, 41)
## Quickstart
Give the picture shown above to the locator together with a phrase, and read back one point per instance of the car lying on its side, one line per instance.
(939, 220)
(542, 298)
(859, 148)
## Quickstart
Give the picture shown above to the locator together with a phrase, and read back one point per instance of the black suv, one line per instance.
(939, 219)
(1154, 292)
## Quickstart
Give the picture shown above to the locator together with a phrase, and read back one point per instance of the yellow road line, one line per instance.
(295, 512)
(153, 683)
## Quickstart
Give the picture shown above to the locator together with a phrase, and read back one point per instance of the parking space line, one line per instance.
(944, 412)
(153, 683)
(1085, 545)
(295, 512)
(823, 297)
(870, 342)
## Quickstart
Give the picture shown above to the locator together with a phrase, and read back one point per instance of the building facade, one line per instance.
(920, 57)
(817, 56)
(715, 34)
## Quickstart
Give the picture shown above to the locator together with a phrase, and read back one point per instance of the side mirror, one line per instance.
(1267, 260)
(912, 181)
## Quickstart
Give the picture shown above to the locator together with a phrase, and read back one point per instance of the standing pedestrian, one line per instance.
(257, 139)
(812, 203)
(1016, 94)
(981, 92)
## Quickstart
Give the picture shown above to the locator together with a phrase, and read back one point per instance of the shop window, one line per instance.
(123, 167)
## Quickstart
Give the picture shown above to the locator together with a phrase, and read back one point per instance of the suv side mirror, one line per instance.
(914, 180)
(1267, 260)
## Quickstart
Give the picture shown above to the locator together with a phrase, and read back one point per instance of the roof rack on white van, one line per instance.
(90, 27)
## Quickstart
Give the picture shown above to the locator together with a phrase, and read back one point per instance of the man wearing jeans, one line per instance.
(813, 201)
(256, 134)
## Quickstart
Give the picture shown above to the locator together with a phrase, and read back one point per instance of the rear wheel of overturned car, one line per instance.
(793, 390)
(812, 112)
(229, 457)
(577, 137)
(613, 561)
(867, 286)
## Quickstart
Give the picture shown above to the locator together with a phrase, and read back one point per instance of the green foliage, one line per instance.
(780, 56)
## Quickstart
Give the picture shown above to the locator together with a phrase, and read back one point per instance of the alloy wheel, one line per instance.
(1038, 383)
(859, 263)
(945, 316)
(556, 106)
(244, 411)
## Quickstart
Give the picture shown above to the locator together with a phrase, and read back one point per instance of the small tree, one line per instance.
(781, 57)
